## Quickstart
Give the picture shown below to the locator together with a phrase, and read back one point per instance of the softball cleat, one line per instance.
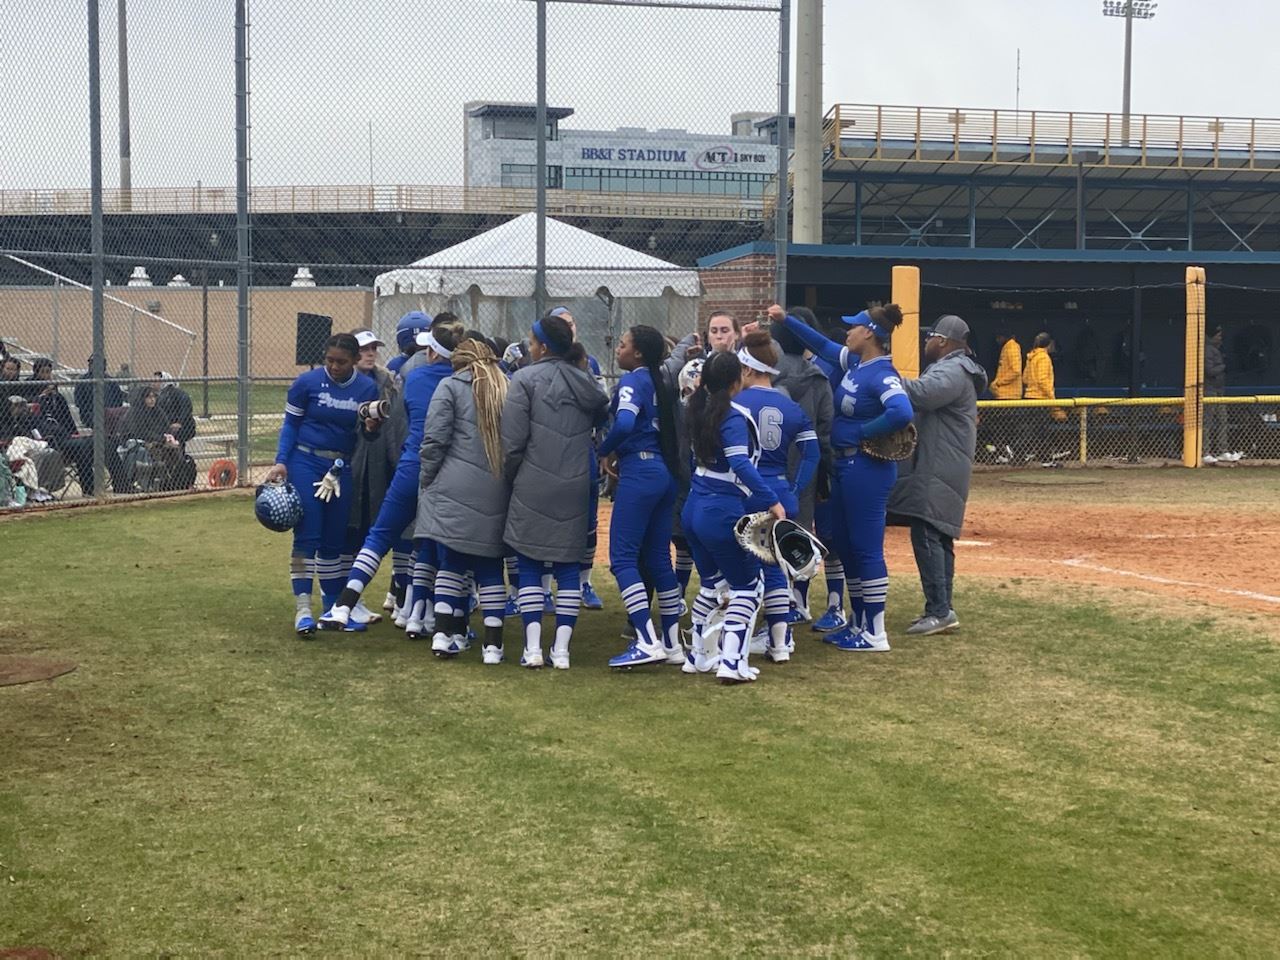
(389, 604)
(560, 659)
(735, 671)
(590, 599)
(830, 621)
(304, 624)
(336, 619)
(491, 655)
(637, 655)
(362, 614)
(864, 643)
(532, 658)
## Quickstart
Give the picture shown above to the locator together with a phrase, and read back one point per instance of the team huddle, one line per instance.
(478, 467)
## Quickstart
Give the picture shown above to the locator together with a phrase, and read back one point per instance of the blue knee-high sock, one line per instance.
(363, 569)
(777, 604)
(421, 596)
(874, 594)
(669, 614)
(568, 602)
(857, 611)
(329, 569)
(529, 598)
(636, 602)
(451, 593)
(704, 603)
(401, 568)
(737, 621)
(684, 569)
(301, 574)
(834, 571)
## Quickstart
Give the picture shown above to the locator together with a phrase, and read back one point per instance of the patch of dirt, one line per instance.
(15, 670)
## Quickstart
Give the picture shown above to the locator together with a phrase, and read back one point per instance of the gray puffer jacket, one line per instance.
(809, 387)
(551, 409)
(934, 484)
(374, 461)
(461, 503)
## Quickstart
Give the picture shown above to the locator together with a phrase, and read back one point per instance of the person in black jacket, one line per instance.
(113, 396)
(176, 404)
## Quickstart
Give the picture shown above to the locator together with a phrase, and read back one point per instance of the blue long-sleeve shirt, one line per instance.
(419, 388)
(734, 470)
(780, 423)
(869, 400)
(321, 414)
(635, 416)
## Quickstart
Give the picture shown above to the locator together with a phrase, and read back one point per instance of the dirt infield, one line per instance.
(1197, 535)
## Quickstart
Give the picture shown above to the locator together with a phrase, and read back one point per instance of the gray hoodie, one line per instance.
(809, 387)
(934, 484)
(462, 503)
(374, 461)
(547, 422)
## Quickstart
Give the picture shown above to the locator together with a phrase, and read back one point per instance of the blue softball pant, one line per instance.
(859, 498)
(640, 526)
(323, 530)
(708, 520)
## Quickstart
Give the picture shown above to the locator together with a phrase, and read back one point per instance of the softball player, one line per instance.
(407, 329)
(643, 438)
(400, 506)
(552, 408)
(780, 423)
(725, 448)
(463, 503)
(319, 430)
(870, 402)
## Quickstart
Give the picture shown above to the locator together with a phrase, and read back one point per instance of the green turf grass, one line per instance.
(1060, 778)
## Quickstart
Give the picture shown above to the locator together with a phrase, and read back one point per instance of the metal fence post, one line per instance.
(1084, 434)
(98, 368)
(781, 211)
(242, 242)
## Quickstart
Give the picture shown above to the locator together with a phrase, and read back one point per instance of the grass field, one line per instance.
(1076, 772)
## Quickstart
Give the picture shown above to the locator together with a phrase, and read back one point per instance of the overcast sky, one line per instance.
(324, 69)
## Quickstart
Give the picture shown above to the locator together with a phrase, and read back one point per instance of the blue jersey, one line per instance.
(321, 414)
(419, 388)
(734, 470)
(635, 416)
(779, 423)
(869, 391)
(396, 362)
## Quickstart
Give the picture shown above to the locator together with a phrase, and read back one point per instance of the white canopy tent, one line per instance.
(488, 281)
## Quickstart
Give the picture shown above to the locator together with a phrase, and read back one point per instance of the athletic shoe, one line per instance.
(778, 654)
(441, 645)
(389, 604)
(735, 671)
(637, 655)
(362, 614)
(457, 644)
(416, 630)
(951, 621)
(548, 603)
(836, 637)
(760, 642)
(699, 661)
(559, 659)
(401, 619)
(796, 615)
(928, 626)
(304, 624)
(830, 621)
(676, 656)
(590, 599)
(513, 608)
(337, 618)
(1210, 459)
(491, 655)
(864, 642)
(531, 659)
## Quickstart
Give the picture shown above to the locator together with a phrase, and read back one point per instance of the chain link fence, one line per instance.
(390, 158)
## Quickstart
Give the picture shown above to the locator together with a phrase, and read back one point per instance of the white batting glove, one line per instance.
(330, 485)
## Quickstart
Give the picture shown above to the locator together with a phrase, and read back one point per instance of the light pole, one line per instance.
(204, 312)
(1129, 9)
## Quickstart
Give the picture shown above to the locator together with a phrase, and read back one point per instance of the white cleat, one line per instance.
(336, 618)
(389, 604)
(532, 659)
(560, 659)
(699, 661)
(735, 671)
(491, 655)
(441, 645)
(362, 614)
(778, 654)
(415, 630)
(400, 618)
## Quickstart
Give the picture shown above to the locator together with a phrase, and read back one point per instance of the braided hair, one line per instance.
(489, 388)
(652, 347)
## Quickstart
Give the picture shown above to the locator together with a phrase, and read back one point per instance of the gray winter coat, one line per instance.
(547, 422)
(374, 459)
(934, 484)
(461, 503)
(809, 387)
(1215, 369)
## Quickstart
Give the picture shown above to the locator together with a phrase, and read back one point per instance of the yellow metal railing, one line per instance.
(1048, 138)
(390, 198)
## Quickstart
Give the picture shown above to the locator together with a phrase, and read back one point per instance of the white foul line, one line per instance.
(1152, 578)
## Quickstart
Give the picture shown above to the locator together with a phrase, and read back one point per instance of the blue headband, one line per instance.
(863, 319)
(540, 335)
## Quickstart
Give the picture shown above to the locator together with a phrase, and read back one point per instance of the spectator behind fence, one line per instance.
(152, 456)
(176, 404)
(1038, 384)
(113, 400)
(1007, 384)
(933, 486)
(1217, 437)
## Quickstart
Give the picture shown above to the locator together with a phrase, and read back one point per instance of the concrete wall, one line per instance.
(58, 321)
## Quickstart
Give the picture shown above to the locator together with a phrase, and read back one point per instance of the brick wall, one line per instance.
(743, 286)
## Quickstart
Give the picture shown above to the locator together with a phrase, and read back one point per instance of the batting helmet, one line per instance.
(278, 506)
(411, 324)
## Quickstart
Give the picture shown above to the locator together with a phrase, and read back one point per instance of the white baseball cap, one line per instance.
(367, 338)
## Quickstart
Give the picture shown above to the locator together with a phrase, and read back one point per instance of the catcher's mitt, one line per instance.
(899, 445)
(754, 533)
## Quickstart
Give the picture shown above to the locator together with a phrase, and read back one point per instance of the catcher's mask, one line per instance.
(781, 542)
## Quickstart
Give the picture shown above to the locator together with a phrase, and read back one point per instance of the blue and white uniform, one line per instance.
(869, 402)
(400, 506)
(780, 423)
(718, 495)
(320, 425)
(640, 527)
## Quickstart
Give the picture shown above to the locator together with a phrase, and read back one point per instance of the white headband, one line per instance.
(434, 344)
(746, 357)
